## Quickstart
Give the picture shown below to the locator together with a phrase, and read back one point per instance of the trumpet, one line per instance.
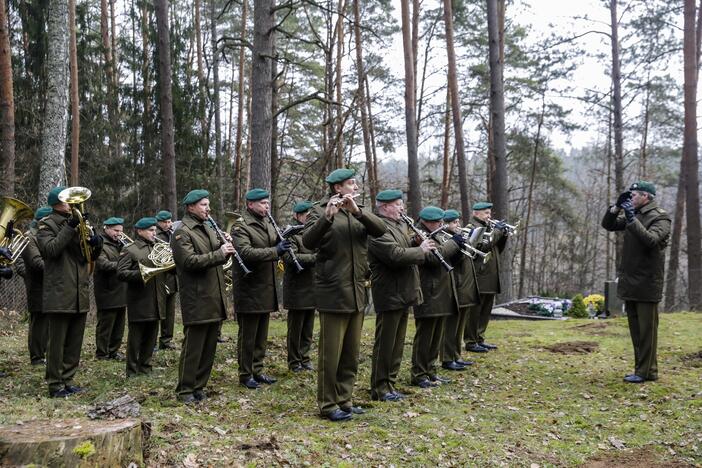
(472, 237)
(10, 238)
(124, 239)
(509, 229)
(424, 236)
(75, 197)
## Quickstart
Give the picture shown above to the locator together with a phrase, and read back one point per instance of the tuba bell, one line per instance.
(13, 211)
(75, 197)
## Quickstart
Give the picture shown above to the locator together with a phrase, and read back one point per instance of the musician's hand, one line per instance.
(86, 217)
(427, 245)
(282, 247)
(227, 249)
(227, 237)
(73, 221)
(459, 239)
(95, 241)
(623, 197)
(332, 207)
(349, 204)
(501, 225)
(628, 208)
(5, 252)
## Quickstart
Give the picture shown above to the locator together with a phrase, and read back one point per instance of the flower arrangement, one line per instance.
(596, 301)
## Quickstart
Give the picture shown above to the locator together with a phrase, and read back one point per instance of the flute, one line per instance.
(220, 234)
(424, 237)
(293, 257)
(337, 201)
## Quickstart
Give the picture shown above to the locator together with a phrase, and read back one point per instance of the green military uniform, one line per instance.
(33, 266)
(488, 284)
(396, 289)
(467, 294)
(440, 302)
(65, 296)
(255, 295)
(641, 278)
(298, 299)
(111, 300)
(170, 284)
(341, 272)
(203, 303)
(146, 305)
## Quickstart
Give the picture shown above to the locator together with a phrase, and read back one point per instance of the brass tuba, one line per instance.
(13, 210)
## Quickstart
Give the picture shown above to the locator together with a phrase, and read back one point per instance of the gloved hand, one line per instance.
(73, 221)
(5, 252)
(95, 241)
(623, 197)
(5, 273)
(86, 217)
(501, 225)
(459, 239)
(628, 208)
(282, 247)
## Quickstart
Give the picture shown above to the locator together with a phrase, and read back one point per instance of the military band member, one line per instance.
(33, 273)
(199, 255)
(646, 232)
(66, 293)
(467, 294)
(338, 229)
(396, 289)
(255, 295)
(439, 293)
(110, 293)
(298, 296)
(488, 281)
(145, 301)
(5, 273)
(164, 231)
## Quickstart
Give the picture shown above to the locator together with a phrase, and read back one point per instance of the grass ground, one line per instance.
(523, 405)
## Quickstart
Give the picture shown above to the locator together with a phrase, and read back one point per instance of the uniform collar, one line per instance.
(191, 221)
(647, 207)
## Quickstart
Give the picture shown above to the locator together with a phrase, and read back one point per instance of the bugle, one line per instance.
(124, 239)
(509, 229)
(10, 238)
(469, 248)
(422, 235)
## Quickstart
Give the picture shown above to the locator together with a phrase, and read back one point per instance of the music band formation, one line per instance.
(335, 253)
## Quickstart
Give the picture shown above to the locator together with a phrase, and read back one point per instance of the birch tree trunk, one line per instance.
(7, 109)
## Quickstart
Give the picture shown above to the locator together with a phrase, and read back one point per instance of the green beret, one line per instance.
(257, 194)
(146, 223)
(113, 221)
(301, 207)
(643, 186)
(431, 213)
(53, 199)
(41, 212)
(388, 195)
(451, 215)
(163, 215)
(195, 196)
(340, 175)
(483, 205)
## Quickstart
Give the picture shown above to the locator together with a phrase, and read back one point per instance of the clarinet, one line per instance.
(220, 234)
(424, 237)
(293, 257)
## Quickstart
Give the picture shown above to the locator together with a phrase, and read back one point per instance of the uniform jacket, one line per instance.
(170, 278)
(33, 275)
(109, 291)
(298, 288)
(641, 273)
(66, 275)
(394, 273)
(341, 269)
(488, 274)
(200, 275)
(438, 287)
(145, 302)
(255, 239)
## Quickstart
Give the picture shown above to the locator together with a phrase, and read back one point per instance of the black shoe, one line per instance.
(74, 389)
(390, 397)
(199, 395)
(187, 399)
(2, 374)
(264, 379)
(400, 396)
(168, 345)
(463, 363)
(426, 383)
(452, 365)
(353, 410)
(118, 357)
(439, 379)
(297, 369)
(63, 393)
(39, 362)
(103, 358)
(222, 339)
(634, 379)
(338, 415)
(488, 346)
(476, 349)
(250, 383)
(307, 366)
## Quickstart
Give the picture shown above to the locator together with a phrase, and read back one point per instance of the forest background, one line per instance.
(452, 102)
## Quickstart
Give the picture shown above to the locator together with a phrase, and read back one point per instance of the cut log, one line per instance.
(72, 442)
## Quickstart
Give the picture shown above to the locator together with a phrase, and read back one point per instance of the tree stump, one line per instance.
(72, 442)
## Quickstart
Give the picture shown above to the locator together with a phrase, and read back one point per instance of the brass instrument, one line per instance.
(147, 272)
(231, 218)
(13, 210)
(509, 229)
(161, 256)
(124, 239)
(472, 238)
(424, 236)
(75, 197)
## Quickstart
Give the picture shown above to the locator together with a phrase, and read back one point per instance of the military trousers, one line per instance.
(390, 331)
(109, 332)
(168, 324)
(37, 336)
(454, 328)
(299, 341)
(197, 357)
(140, 347)
(63, 351)
(337, 364)
(478, 319)
(251, 344)
(426, 347)
(643, 328)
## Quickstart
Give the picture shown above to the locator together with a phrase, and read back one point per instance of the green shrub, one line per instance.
(578, 309)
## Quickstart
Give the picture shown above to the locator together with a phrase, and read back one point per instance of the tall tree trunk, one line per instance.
(7, 108)
(339, 79)
(694, 248)
(52, 170)
(365, 121)
(240, 108)
(497, 110)
(643, 154)
(371, 132)
(456, 111)
(75, 103)
(262, 91)
(219, 158)
(617, 101)
(204, 126)
(166, 105)
(445, 179)
(148, 190)
(671, 279)
(274, 132)
(115, 52)
(414, 195)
